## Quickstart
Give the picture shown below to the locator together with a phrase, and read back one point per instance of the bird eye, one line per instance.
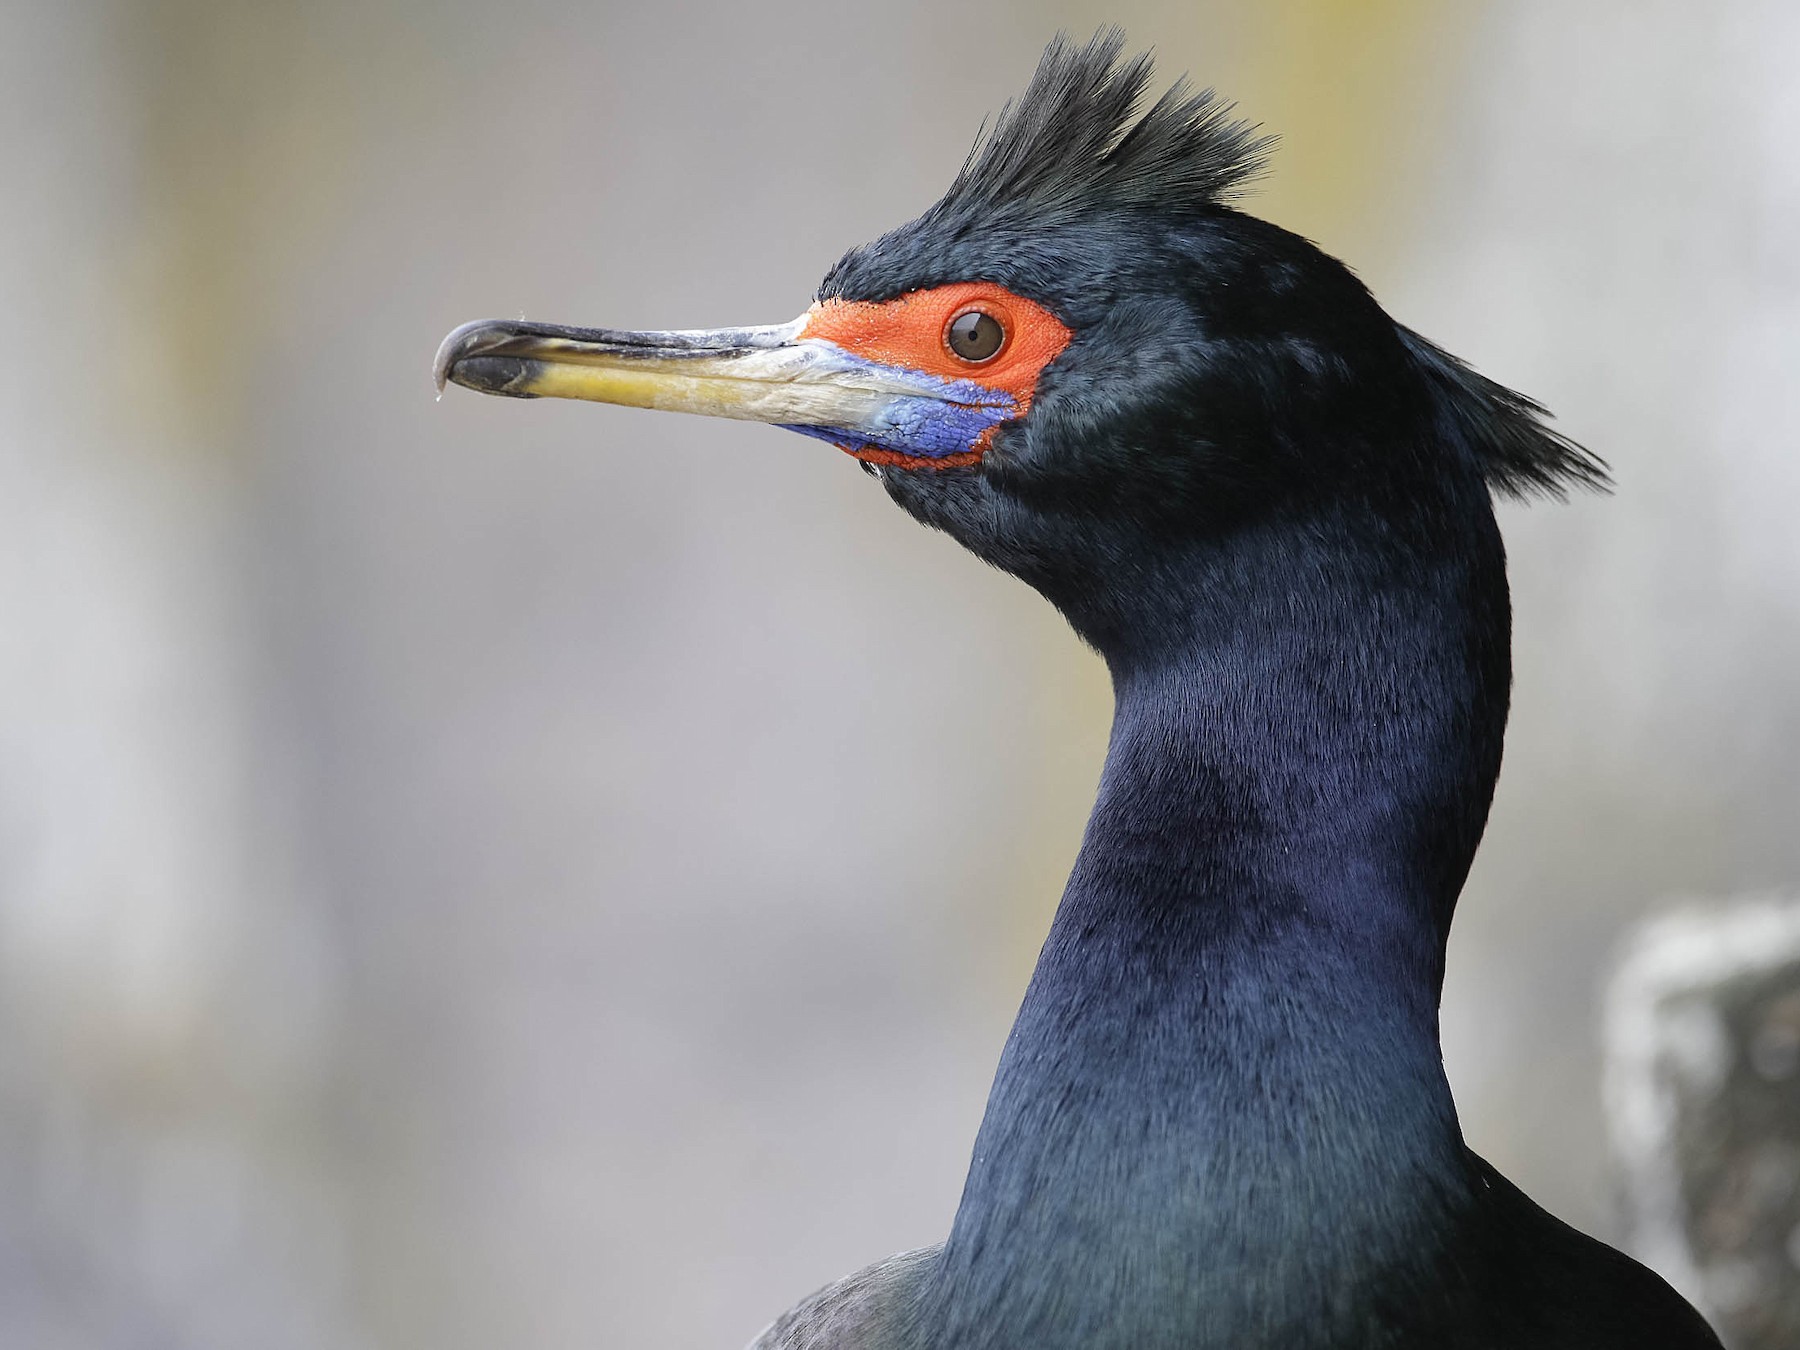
(975, 335)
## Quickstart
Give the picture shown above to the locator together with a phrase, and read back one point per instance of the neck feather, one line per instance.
(1223, 1094)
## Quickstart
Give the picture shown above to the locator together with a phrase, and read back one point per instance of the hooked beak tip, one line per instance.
(462, 342)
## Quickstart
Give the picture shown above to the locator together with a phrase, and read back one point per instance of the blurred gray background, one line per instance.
(477, 873)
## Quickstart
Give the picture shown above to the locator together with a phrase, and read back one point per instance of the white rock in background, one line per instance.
(1702, 1090)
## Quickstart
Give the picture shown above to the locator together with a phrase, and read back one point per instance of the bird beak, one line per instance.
(774, 374)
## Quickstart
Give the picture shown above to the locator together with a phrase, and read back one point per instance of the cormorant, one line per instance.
(1221, 1120)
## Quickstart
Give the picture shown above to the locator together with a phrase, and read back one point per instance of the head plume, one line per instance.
(1073, 145)
(1070, 141)
(1520, 456)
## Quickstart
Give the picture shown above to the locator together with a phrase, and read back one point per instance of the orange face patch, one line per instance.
(912, 331)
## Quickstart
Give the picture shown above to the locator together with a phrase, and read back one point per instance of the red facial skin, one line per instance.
(911, 330)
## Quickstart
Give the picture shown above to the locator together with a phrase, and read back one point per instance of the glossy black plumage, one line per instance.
(1221, 1118)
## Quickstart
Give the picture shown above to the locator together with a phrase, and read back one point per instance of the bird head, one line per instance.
(1082, 358)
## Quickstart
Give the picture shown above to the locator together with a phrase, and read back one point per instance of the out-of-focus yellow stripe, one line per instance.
(1357, 90)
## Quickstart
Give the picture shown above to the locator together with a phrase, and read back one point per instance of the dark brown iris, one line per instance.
(975, 336)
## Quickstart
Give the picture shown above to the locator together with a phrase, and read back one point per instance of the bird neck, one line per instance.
(1224, 1093)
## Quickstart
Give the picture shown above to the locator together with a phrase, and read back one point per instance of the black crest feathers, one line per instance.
(1520, 456)
(1069, 141)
